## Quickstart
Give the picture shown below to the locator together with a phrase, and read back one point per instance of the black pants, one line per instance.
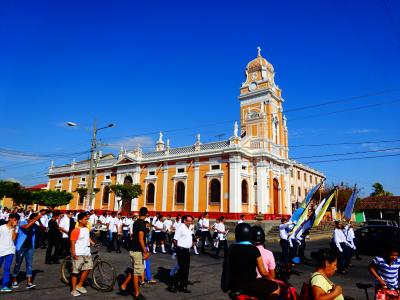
(222, 243)
(293, 251)
(103, 237)
(302, 249)
(285, 251)
(114, 242)
(65, 247)
(342, 256)
(204, 235)
(53, 243)
(181, 278)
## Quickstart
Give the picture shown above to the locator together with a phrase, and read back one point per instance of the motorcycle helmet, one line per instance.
(243, 232)
(258, 235)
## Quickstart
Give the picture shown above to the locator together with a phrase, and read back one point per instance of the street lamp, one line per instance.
(92, 168)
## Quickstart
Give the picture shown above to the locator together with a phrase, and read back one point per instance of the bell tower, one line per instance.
(262, 123)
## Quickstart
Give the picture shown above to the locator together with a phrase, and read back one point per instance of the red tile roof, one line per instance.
(379, 202)
(36, 187)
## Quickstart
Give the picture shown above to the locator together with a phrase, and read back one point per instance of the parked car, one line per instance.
(374, 239)
(381, 222)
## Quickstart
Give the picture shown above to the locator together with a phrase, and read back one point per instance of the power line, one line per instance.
(345, 159)
(392, 21)
(346, 110)
(342, 100)
(344, 143)
(347, 153)
(285, 111)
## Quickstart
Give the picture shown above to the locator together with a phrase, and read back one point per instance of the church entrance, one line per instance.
(276, 196)
(126, 205)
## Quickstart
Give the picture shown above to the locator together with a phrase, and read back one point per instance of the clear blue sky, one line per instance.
(176, 66)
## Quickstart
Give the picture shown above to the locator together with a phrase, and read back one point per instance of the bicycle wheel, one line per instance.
(66, 270)
(103, 276)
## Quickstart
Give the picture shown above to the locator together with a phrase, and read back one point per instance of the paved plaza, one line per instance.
(205, 275)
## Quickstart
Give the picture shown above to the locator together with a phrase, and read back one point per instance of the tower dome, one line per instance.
(259, 74)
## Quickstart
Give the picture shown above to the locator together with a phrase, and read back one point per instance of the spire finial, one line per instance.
(259, 51)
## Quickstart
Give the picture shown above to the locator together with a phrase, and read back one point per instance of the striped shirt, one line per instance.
(388, 273)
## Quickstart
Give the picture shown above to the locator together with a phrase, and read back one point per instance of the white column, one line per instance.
(70, 188)
(262, 187)
(235, 201)
(165, 187)
(196, 185)
(288, 204)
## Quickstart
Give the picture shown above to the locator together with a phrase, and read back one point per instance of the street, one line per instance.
(205, 275)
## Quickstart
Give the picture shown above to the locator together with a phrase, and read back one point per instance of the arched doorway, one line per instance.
(126, 206)
(276, 196)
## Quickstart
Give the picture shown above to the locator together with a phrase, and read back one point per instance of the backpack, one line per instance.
(306, 290)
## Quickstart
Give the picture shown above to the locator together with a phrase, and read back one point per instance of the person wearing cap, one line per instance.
(240, 265)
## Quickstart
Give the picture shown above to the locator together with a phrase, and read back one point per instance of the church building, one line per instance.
(249, 173)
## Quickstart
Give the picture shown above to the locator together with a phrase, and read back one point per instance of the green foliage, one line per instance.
(83, 191)
(9, 188)
(52, 198)
(126, 191)
(379, 190)
(344, 192)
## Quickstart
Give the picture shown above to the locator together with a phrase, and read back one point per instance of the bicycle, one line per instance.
(103, 274)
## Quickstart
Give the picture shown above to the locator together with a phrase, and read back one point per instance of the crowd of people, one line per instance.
(248, 266)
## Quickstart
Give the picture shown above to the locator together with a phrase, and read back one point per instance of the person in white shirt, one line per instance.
(222, 232)
(241, 220)
(82, 261)
(341, 245)
(43, 224)
(168, 229)
(8, 235)
(126, 225)
(114, 229)
(350, 236)
(205, 232)
(284, 229)
(158, 237)
(194, 245)
(102, 221)
(92, 223)
(64, 227)
(183, 242)
(4, 215)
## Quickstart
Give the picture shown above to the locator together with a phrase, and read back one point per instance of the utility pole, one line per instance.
(92, 172)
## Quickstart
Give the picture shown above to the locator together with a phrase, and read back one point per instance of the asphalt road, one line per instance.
(205, 275)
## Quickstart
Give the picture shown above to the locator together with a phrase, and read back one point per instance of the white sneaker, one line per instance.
(81, 289)
(75, 293)
(15, 285)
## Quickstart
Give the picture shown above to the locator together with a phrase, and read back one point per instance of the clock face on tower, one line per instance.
(252, 86)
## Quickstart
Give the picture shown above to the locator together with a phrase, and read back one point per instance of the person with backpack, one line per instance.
(320, 286)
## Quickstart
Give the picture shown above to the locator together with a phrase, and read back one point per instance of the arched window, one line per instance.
(81, 198)
(150, 193)
(215, 191)
(180, 193)
(128, 180)
(106, 195)
(245, 192)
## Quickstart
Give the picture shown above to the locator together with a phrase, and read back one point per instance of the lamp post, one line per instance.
(92, 167)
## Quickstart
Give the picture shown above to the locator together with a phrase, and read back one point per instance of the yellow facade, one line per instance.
(256, 153)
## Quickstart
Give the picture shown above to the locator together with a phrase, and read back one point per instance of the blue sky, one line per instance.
(176, 66)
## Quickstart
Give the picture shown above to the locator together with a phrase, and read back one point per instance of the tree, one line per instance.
(344, 192)
(379, 190)
(52, 198)
(9, 188)
(126, 192)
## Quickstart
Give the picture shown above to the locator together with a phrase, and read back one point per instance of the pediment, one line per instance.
(125, 160)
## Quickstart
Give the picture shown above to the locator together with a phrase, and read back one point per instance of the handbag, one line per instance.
(386, 294)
